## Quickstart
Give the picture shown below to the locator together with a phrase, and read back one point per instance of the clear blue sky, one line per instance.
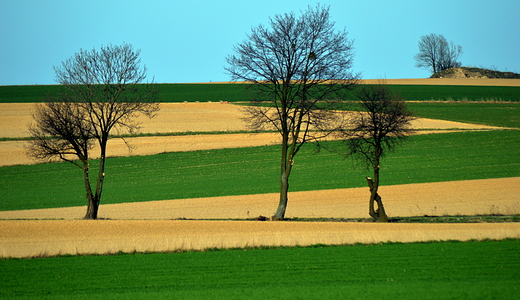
(187, 41)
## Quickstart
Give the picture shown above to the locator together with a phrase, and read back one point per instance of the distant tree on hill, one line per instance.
(437, 54)
(294, 64)
(103, 92)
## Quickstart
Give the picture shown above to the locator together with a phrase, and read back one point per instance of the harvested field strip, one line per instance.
(184, 118)
(76, 237)
(14, 152)
(471, 270)
(173, 117)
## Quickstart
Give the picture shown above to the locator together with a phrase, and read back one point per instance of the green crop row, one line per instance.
(237, 92)
(445, 270)
(425, 158)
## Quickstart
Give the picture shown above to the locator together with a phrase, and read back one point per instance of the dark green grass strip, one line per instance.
(237, 92)
(504, 114)
(446, 270)
(26, 93)
(168, 92)
(426, 158)
(202, 92)
(457, 92)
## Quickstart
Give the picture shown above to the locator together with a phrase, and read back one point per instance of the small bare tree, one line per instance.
(382, 122)
(294, 65)
(437, 54)
(103, 92)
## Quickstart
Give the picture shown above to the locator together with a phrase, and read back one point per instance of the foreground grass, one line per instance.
(426, 158)
(446, 270)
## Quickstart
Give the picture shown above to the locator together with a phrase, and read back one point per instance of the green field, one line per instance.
(168, 92)
(447, 270)
(237, 92)
(505, 114)
(458, 92)
(457, 156)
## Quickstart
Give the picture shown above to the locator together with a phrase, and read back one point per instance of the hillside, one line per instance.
(467, 72)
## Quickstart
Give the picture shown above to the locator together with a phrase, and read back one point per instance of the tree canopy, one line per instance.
(293, 64)
(437, 54)
(102, 92)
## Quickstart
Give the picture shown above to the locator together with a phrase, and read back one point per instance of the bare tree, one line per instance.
(382, 122)
(437, 54)
(294, 65)
(103, 92)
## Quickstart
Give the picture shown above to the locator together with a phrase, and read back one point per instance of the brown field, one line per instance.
(148, 226)
(49, 238)
(173, 117)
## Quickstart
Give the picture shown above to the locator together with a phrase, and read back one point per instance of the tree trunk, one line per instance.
(378, 214)
(92, 203)
(282, 205)
(284, 183)
(93, 207)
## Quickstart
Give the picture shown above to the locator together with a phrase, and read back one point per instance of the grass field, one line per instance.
(457, 92)
(447, 270)
(505, 114)
(168, 92)
(236, 92)
(458, 156)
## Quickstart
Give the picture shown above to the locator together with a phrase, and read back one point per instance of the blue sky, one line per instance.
(187, 41)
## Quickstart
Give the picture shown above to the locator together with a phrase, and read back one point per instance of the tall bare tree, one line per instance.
(437, 54)
(294, 64)
(381, 123)
(103, 92)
